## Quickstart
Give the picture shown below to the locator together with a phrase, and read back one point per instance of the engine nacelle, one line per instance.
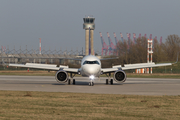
(62, 76)
(120, 76)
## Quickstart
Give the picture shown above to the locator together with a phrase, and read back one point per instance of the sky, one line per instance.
(59, 23)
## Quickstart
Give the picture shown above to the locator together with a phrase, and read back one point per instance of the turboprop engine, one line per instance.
(61, 76)
(120, 76)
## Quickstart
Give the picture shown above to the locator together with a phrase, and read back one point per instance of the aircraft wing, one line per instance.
(133, 66)
(46, 66)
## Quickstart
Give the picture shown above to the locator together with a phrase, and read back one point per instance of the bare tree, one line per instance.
(130, 53)
(159, 52)
(172, 46)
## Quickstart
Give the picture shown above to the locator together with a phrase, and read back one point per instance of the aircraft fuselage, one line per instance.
(90, 65)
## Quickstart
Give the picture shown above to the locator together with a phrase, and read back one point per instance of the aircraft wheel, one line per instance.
(74, 82)
(106, 81)
(69, 81)
(92, 84)
(111, 81)
(89, 83)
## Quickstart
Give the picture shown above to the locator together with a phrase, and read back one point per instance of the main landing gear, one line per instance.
(109, 80)
(71, 80)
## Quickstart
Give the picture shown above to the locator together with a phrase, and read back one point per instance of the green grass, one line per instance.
(154, 75)
(52, 73)
(80, 106)
(26, 73)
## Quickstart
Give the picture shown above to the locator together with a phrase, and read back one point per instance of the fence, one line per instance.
(46, 56)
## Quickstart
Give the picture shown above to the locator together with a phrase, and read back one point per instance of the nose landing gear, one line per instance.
(91, 83)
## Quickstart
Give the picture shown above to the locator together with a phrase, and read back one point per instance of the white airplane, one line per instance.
(90, 67)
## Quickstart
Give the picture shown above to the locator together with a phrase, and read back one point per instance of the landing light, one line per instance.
(92, 77)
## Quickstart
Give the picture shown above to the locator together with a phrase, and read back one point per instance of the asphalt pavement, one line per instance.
(132, 86)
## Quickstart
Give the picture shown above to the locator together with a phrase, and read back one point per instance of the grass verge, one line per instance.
(80, 106)
(26, 73)
(154, 75)
(52, 73)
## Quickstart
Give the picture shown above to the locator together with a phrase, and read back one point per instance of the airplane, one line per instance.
(90, 67)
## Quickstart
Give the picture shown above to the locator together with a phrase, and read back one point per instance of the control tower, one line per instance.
(89, 23)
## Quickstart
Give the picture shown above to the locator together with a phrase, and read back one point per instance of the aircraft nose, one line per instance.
(93, 70)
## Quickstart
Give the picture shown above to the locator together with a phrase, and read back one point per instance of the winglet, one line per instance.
(177, 58)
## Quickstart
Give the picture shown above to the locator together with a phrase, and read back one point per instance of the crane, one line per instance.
(122, 37)
(104, 45)
(116, 40)
(150, 36)
(155, 39)
(139, 35)
(144, 35)
(134, 38)
(112, 47)
(128, 36)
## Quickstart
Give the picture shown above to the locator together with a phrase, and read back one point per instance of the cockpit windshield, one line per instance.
(91, 62)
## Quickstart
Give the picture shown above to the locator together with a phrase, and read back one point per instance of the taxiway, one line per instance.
(133, 86)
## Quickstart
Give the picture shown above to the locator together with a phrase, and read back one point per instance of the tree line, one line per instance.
(136, 52)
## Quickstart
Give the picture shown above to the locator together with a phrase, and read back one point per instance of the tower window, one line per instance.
(91, 20)
(87, 20)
